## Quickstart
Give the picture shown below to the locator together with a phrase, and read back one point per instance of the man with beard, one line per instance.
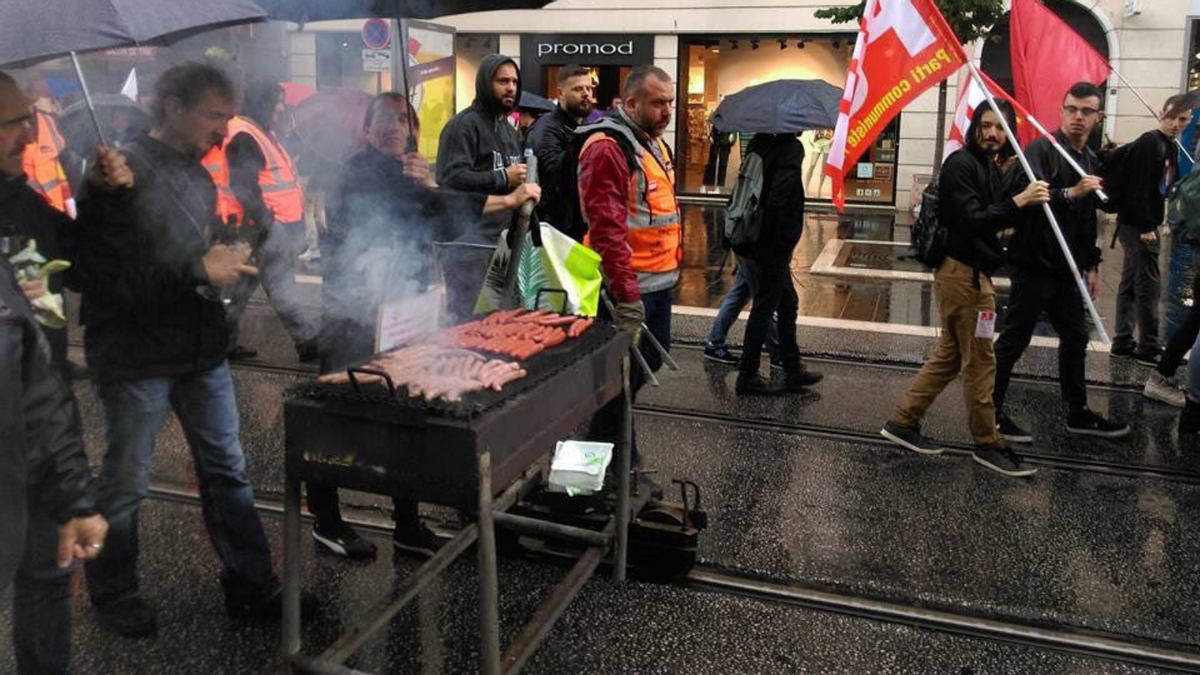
(151, 270)
(552, 139)
(480, 151)
(627, 190)
(974, 204)
(384, 215)
(1041, 279)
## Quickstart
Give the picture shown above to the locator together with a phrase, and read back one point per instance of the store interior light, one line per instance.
(754, 44)
(800, 44)
(837, 43)
(782, 45)
(733, 45)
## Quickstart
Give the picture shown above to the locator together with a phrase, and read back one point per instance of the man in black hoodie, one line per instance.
(1142, 172)
(480, 151)
(552, 139)
(974, 203)
(1041, 279)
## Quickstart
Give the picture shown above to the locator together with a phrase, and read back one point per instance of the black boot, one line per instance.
(799, 377)
(755, 384)
(1189, 419)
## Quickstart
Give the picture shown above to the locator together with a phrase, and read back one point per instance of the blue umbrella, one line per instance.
(780, 107)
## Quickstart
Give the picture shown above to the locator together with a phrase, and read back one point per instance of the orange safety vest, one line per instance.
(280, 187)
(43, 171)
(655, 230)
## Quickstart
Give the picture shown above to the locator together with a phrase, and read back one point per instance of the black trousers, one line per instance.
(1056, 293)
(775, 294)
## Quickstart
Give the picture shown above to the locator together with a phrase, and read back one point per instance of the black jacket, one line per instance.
(379, 247)
(1133, 175)
(553, 139)
(782, 196)
(140, 264)
(476, 146)
(1034, 246)
(42, 464)
(974, 204)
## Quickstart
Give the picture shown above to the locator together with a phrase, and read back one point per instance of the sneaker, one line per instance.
(801, 378)
(1002, 460)
(420, 542)
(909, 437)
(1010, 431)
(129, 617)
(757, 385)
(1121, 351)
(1087, 423)
(1149, 359)
(239, 353)
(1164, 389)
(341, 539)
(1189, 419)
(720, 353)
(310, 254)
(270, 607)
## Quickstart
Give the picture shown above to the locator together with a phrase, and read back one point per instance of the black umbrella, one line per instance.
(533, 103)
(302, 11)
(76, 125)
(780, 107)
(36, 30)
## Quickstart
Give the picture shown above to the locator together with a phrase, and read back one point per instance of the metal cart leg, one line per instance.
(291, 568)
(489, 583)
(625, 444)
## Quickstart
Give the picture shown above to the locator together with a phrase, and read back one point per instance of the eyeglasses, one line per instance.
(1076, 110)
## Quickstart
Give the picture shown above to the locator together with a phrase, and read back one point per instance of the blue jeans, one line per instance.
(207, 411)
(41, 622)
(745, 286)
(1193, 384)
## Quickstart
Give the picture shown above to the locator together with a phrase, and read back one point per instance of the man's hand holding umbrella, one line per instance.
(110, 172)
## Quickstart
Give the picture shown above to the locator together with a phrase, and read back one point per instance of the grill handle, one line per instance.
(371, 371)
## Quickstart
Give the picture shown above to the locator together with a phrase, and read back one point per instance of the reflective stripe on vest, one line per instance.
(277, 180)
(43, 170)
(218, 168)
(655, 230)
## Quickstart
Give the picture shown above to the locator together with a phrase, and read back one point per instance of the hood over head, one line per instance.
(483, 84)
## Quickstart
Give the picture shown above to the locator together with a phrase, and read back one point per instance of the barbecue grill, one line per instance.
(477, 455)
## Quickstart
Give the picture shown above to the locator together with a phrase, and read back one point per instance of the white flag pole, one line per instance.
(1153, 112)
(1062, 151)
(1062, 242)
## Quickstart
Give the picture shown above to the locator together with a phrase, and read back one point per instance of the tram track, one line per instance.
(1042, 459)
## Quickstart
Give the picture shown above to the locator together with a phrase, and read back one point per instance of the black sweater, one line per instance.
(782, 197)
(1133, 175)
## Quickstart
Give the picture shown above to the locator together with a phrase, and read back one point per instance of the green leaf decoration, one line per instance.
(531, 275)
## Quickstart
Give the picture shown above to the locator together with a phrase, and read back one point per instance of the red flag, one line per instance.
(1048, 56)
(904, 47)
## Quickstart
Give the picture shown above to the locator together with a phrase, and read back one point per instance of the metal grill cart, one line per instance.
(477, 455)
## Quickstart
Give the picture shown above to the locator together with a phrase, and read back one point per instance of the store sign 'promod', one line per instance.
(586, 49)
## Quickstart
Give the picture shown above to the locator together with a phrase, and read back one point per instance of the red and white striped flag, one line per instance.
(904, 47)
(970, 97)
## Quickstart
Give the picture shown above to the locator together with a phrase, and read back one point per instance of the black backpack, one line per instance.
(573, 224)
(930, 238)
(743, 213)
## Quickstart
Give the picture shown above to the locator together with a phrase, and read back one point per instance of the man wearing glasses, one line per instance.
(1041, 278)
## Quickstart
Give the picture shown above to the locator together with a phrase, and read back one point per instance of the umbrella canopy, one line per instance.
(76, 125)
(36, 30)
(536, 104)
(780, 107)
(330, 123)
(302, 11)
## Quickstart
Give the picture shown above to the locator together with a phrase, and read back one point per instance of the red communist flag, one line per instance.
(904, 47)
(1048, 56)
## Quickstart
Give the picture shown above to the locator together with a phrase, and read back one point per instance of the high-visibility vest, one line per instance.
(655, 231)
(277, 179)
(43, 170)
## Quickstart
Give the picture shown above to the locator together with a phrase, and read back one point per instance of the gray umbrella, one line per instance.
(536, 104)
(36, 30)
(302, 11)
(780, 107)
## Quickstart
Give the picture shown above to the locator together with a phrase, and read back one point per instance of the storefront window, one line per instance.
(1193, 57)
(718, 67)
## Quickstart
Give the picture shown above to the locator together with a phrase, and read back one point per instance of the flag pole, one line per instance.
(1063, 152)
(1149, 107)
(1062, 242)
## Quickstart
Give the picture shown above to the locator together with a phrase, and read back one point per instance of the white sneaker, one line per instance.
(1163, 389)
(311, 254)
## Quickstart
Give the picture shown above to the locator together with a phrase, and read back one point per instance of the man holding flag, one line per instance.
(1042, 279)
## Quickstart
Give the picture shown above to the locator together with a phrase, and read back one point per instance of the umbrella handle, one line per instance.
(87, 98)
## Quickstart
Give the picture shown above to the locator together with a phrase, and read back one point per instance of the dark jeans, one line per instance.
(775, 295)
(1137, 295)
(745, 286)
(207, 411)
(1181, 340)
(277, 265)
(41, 621)
(464, 268)
(327, 511)
(1035, 291)
(717, 164)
